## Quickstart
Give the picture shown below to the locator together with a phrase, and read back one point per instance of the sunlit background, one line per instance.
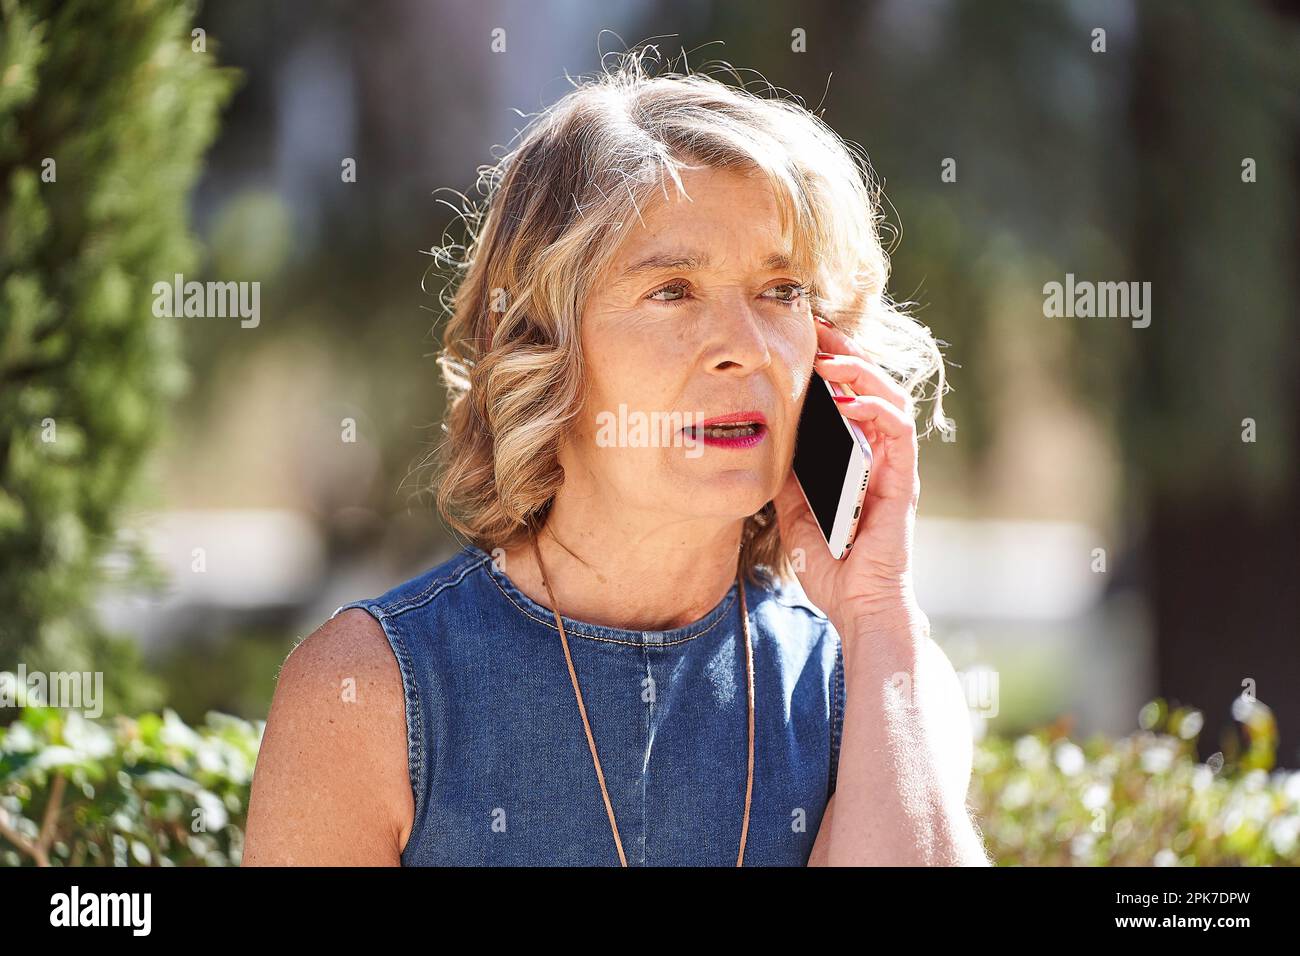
(1073, 433)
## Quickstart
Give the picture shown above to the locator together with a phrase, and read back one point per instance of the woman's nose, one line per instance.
(740, 338)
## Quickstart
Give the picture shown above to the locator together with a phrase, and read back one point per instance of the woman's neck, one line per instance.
(630, 570)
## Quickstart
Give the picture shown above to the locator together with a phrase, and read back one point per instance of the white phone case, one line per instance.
(854, 490)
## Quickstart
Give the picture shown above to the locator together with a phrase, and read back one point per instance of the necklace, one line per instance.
(591, 741)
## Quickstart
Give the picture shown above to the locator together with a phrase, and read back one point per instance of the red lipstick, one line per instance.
(739, 430)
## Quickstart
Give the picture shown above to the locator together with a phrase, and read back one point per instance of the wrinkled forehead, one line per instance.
(709, 217)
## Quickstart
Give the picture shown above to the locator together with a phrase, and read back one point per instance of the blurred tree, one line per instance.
(1212, 401)
(105, 112)
(1118, 165)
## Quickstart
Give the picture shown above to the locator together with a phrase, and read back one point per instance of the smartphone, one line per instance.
(832, 463)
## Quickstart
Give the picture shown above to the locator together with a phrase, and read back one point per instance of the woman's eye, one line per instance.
(673, 292)
(790, 292)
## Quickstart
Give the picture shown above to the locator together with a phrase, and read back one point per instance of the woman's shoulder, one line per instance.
(352, 762)
(324, 757)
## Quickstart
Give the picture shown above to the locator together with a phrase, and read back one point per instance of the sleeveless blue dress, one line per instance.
(498, 759)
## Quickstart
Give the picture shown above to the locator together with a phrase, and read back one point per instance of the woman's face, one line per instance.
(698, 318)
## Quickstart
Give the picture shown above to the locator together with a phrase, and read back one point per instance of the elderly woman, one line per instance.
(645, 653)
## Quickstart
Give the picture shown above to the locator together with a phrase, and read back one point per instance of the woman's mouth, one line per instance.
(740, 430)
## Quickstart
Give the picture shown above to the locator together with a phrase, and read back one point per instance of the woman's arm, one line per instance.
(331, 785)
(905, 752)
(905, 760)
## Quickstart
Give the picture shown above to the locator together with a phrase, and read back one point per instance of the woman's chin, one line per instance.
(732, 489)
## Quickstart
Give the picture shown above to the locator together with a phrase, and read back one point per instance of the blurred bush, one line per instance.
(151, 791)
(106, 110)
(1142, 800)
(156, 792)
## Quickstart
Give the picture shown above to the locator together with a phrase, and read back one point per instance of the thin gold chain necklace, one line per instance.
(591, 741)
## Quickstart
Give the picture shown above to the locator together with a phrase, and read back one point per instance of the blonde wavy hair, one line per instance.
(557, 207)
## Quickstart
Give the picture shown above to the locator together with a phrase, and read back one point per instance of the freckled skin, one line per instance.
(645, 535)
(730, 345)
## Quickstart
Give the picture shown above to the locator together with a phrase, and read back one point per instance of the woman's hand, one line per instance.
(905, 760)
(869, 591)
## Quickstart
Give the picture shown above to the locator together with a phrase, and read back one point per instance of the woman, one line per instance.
(618, 667)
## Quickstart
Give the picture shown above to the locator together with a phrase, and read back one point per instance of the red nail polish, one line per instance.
(843, 399)
(824, 355)
(823, 321)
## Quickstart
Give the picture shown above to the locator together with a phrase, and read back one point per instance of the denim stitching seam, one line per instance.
(414, 715)
(435, 588)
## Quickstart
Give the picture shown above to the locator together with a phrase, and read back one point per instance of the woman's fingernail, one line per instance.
(843, 399)
(824, 355)
(824, 322)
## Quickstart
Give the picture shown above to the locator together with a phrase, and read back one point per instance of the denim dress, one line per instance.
(498, 758)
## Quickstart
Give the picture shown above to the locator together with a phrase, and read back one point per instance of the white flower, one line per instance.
(1233, 819)
(1191, 724)
(214, 813)
(1292, 787)
(1029, 751)
(20, 739)
(1017, 793)
(1069, 758)
(1284, 833)
(175, 732)
(1157, 758)
(1082, 844)
(1254, 781)
(1259, 807)
(1148, 715)
(1096, 796)
(87, 737)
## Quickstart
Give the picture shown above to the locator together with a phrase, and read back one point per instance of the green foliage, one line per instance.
(145, 792)
(155, 792)
(105, 112)
(1144, 800)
